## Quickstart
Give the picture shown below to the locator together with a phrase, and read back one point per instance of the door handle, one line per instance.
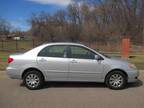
(74, 61)
(43, 60)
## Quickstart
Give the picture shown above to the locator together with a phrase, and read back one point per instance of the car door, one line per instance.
(54, 62)
(83, 66)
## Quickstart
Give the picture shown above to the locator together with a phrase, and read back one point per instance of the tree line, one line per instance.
(91, 21)
(4, 27)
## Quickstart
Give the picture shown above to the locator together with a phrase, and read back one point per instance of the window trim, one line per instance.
(69, 52)
(53, 46)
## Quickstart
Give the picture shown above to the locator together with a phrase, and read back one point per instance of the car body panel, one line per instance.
(85, 70)
(68, 69)
(55, 68)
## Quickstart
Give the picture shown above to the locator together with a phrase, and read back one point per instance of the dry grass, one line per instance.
(3, 60)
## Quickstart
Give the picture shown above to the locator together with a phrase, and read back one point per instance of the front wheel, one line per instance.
(33, 80)
(116, 80)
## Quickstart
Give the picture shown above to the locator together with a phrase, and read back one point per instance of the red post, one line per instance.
(125, 48)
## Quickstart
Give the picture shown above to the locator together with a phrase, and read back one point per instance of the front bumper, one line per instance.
(133, 76)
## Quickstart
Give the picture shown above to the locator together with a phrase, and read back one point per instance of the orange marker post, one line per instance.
(125, 48)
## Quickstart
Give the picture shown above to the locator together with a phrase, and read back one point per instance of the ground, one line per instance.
(70, 95)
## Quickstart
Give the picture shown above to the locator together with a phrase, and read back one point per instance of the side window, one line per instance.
(53, 51)
(81, 53)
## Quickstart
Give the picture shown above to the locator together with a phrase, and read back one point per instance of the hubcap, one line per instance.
(116, 80)
(32, 80)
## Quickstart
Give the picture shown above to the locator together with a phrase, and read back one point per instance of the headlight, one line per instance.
(132, 66)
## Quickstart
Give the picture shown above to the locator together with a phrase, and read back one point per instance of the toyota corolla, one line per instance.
(69, 62)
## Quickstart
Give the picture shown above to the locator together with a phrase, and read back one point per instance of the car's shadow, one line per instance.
(139, 83)
(85, 85)
(73, 85)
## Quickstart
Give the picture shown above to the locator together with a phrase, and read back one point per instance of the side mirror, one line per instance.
(97, 57)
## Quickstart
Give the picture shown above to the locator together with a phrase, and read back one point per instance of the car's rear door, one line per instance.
(54, 62)
(82, 65)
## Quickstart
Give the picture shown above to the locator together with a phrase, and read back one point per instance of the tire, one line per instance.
(33, 80)
(116, 80)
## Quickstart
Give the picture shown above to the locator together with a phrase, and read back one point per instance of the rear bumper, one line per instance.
(13, 73)
(133, 76)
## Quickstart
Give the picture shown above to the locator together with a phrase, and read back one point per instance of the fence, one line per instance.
(17, 45)
(23, 45)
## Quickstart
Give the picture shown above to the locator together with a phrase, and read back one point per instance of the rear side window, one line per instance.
(53, 51)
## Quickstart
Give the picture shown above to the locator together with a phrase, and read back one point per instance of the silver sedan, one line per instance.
(69, 62)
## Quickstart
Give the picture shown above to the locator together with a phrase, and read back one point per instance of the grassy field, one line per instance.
(137, 59)
(3, 60)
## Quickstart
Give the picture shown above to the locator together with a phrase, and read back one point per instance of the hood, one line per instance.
(118, 59)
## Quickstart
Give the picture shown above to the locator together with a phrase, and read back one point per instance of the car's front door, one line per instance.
(82, 65)
(54, 62)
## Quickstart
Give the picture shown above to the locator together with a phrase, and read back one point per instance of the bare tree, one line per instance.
(4, 28)
(92, 21)
(74, 22)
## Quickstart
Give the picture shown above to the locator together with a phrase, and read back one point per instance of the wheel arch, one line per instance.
(30, 69)
(116, 70)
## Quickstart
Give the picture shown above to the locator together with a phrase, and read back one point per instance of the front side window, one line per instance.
(53, 51)
(81, 53)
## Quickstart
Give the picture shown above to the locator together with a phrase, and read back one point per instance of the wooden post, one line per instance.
(33, 43)
(16, 44)
(2, 45)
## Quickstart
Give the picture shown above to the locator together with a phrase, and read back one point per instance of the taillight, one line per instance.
(10, 60)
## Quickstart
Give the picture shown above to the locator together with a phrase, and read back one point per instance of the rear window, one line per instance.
(53, 51)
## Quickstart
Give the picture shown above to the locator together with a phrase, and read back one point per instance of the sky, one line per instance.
(17, 12)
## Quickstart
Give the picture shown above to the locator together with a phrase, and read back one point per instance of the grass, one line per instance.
(3, 60)
(137, 59)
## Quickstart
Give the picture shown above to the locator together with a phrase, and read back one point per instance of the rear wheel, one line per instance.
(33, 80)
(116, 80)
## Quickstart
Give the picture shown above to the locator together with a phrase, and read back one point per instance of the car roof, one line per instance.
(64, 43)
